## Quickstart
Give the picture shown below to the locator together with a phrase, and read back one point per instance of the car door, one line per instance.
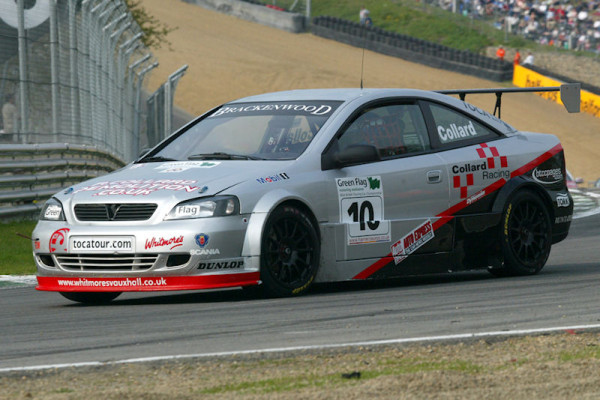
(387, 206)
(476, 157)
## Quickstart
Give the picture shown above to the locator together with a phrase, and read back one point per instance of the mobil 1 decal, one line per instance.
(490, 167)
(361, 209)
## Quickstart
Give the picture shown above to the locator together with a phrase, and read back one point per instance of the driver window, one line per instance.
(393, 129)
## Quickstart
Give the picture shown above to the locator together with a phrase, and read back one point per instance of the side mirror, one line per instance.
(356, 154)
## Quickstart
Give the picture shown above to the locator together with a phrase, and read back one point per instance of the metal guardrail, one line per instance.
(30, 174)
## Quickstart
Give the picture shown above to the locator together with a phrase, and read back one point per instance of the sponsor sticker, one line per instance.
(547, 176)
(412, 241)
(562, 200)
(476, 197)
(315, 108)
(273, 178)
(171, 242)
(102, 244)
(179, 166)
(455, 132)
(57, 240)
(139, 187)
(205, 252)
(202, 239)
(491, 166)
(362, 208)
(563, 219)
(222, 264)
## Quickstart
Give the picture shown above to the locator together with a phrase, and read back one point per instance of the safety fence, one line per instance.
(159, 107)
(72, 71)
(31, 173)
(412, 49)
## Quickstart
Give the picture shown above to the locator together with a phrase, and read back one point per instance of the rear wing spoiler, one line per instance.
(569, 94)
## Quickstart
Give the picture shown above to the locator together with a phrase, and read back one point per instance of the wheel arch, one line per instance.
(516, 184)
(263, 209)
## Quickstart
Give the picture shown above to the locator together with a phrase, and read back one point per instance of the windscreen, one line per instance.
(271, 131)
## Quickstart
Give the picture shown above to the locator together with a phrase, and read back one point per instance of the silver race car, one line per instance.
(286, 189)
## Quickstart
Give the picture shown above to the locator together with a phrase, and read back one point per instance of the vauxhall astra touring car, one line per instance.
(284, 190)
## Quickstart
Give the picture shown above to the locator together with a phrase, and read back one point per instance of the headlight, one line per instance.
(52, 211)
(218, 206)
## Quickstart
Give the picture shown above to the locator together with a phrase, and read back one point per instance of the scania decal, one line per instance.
(230, 264)
(361, 209)
(174, 241)
(57, 239)
(562, 200)
(139, 187)
(547, 176)
(202, 239)
(412, 241)
(205, 252)
(273, 178)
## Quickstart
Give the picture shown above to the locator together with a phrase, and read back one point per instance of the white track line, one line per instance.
(21, 279)
(302, 348)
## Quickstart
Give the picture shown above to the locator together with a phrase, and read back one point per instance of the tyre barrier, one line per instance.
(412, 49)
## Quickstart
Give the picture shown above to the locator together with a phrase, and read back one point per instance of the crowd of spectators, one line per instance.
(567, 24)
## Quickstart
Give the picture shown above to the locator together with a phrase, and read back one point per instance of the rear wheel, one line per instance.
(526, 235)
(290, 252)
(91, 297)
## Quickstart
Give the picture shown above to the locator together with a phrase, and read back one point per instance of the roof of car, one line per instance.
(337, 94)
(372, 94)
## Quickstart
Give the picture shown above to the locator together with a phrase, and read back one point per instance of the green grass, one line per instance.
(422, 21)
(15, 251)
(394, 367)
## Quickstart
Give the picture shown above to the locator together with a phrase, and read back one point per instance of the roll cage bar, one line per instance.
(569, 94)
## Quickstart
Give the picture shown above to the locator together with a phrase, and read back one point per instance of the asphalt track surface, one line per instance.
(40, 328)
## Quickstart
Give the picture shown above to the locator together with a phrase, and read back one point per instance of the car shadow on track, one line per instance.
(332, 289)
(320, 289)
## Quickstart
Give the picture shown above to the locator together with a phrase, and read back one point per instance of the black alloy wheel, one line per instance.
(290, 252)
(526, 235)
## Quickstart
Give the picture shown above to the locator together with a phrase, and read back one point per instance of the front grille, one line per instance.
(106, 262)
(114, 212)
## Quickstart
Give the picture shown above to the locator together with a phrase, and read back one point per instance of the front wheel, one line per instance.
(526, 235)
(290, 252)
(91, 297)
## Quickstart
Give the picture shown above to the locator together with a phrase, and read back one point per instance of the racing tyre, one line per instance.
(526, 235)
(91, 297)
(290, 251)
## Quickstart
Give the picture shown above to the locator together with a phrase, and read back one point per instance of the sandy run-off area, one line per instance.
(230, 58)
